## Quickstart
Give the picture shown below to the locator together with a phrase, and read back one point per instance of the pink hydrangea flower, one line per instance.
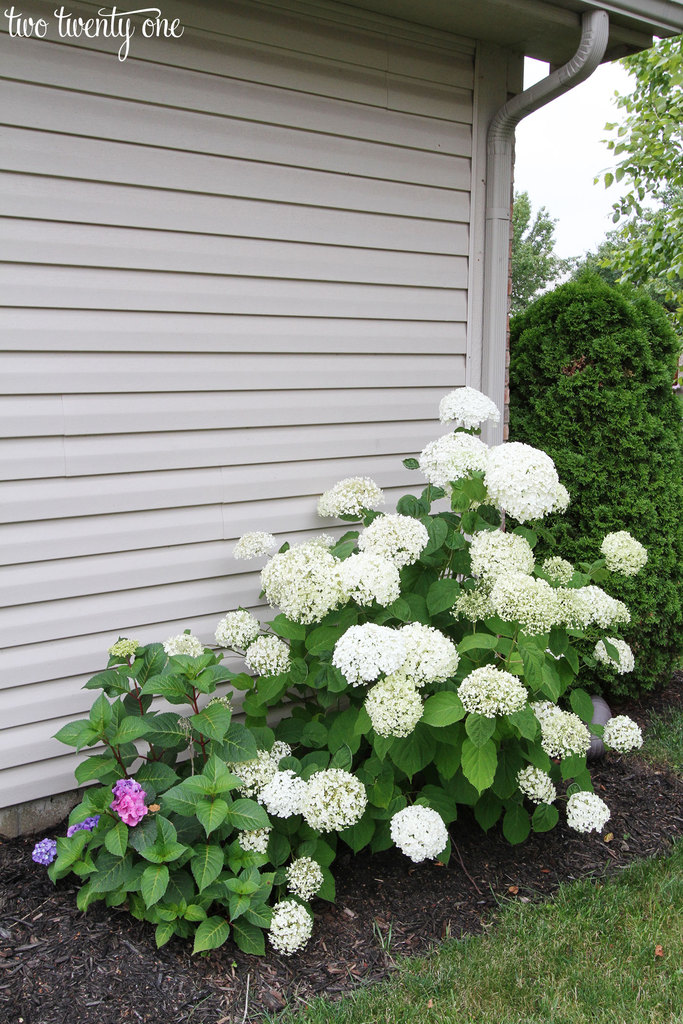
(129, 802)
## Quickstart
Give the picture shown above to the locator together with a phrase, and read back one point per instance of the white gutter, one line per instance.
(501, 135)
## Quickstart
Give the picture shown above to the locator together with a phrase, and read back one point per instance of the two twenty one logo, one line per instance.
(107, 24)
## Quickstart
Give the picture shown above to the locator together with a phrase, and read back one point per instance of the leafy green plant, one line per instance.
(416, 667)
(590, 379)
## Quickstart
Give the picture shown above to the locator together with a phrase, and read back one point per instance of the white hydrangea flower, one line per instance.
(255, 841)
(369, 577)
(623, 553)
(334, 800)
(394, 706)
(474, 605)
(562, 499)
(522, 480)
(491, 691)
(626, 661)
(304, 877)
(586, 812)
(493, 552)
(401, 539)
(419, 832)
(532, 602)
(558, 569)
(431, 657)
(536, 785)
(184, 643)
(237, 629)
(350, 497)
(467, 407)
(251, 545)
(587, 606)
(305, 582)
(269, 656)
(283, 795)
(254, 774)
(622, 734)
(562, 732)
(123, 648)
(279, 750)
(452, 457)
(321, 540)
(367, 651)
(291, 926)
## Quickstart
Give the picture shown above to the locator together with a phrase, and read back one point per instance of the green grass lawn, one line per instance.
(589, 955)
(664, 740)
(608, 952)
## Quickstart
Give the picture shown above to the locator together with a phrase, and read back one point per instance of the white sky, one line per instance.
(558, 153)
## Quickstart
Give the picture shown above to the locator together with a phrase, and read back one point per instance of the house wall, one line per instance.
(239, 267)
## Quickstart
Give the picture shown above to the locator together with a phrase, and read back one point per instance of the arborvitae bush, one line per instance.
(590, 382)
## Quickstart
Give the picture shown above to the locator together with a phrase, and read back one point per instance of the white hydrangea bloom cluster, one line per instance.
(586, 812)
(224, 700)
(394, 706)
(254, 774)
(431, 656)
(291, 926)
(283, 795)
(350, 497)
(237, 629)
(365, 652)
(559, 570)
(491, 691)
(304, 877)
(493, 552)
(268, 655)
(123, 648)
(562, 499)
(623, 553)
(532, 602)
(467, 408)
(255, 841)
(536, 785)
(452, 457)
(419, 832)
(321, 540)
(622, 734)
(626, 661)
(562, 732)
(184, 643)
(401, 539)
(334, 800)
(474, 605)
(523, 481)
(304, 582)
(251, 545)
(587, 606)
(279, 750)
(369, 577)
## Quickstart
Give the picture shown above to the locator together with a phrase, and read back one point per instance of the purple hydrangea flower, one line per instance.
(129, 802)
(87, 825)
(45, 851)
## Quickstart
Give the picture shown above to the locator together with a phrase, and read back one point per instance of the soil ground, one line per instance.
(59, 966)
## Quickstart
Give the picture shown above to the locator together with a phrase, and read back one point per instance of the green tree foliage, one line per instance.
(649, 145)
(626, 247)
(533, 263)
(590, 380)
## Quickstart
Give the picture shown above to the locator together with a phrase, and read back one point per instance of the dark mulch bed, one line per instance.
(63, 967)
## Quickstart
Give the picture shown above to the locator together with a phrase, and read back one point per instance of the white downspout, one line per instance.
(501, 134)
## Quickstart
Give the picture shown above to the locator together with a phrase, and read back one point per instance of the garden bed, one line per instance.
(60, 966)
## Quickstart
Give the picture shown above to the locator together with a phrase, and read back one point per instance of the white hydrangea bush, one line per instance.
(425, 657)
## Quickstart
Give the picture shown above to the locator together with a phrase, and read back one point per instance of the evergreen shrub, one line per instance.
(590, 381)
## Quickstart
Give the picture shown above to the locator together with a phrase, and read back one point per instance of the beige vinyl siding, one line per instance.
(234, 270)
